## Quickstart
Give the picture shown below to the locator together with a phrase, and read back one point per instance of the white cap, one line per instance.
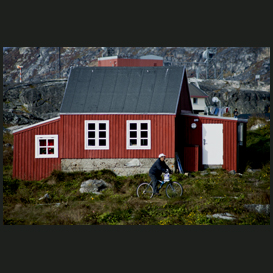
(161, 155)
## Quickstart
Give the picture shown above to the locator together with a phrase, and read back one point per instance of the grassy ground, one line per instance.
(216, 192)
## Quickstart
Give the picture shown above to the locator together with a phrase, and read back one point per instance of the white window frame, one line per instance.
(46, 137)
(138, 137)
(97, 138)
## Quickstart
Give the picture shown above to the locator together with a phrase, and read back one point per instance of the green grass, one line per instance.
(119, 204)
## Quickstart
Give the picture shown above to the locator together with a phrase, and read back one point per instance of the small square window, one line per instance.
(50, 151)
(133, 134)
(143, 134)
(102, 142)
(144, 126)
(144, 142)
(42, 142)
(102, 126)
(91, 134)
(46, 146)
(133, 126)
(91, 126)
(133, 142)
(51, 142)
(91, 142)
(42, 151)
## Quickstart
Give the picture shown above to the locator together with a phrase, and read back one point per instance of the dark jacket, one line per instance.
(158, 168)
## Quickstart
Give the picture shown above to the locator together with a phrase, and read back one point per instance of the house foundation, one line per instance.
(120, 166)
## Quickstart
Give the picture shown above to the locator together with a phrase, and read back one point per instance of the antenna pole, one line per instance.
(20, 67)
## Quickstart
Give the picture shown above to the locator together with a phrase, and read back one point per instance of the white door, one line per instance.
(212, 138)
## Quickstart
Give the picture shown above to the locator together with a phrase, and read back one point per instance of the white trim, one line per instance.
(36, 124)
(107, 58)
(46, 137)
(138, 138)
(109, 113)
(217, 117)
(97, 146)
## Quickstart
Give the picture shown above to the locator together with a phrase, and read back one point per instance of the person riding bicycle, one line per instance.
(156, 171)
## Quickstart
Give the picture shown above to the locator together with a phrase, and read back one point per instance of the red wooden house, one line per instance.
(109, 116)
(121, 118)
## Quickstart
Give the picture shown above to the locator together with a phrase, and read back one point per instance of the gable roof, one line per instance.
(123, 90)
(196, 92)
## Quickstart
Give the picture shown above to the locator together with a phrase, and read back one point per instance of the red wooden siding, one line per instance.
(25, 165)
(71, 138)
(194, 137)
(130, 62)
(191, 158)
(184, 102)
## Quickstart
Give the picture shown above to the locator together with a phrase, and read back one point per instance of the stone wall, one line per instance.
(120, 166)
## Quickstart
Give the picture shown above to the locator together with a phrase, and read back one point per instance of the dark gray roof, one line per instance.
(196, 92)
(123, 90)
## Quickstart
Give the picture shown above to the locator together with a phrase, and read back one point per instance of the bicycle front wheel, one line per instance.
(174, 189)
(145, 190)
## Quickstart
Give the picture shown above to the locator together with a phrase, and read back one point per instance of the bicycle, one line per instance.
(173, 189)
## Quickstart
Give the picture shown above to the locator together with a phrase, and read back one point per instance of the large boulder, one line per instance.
(94, 186)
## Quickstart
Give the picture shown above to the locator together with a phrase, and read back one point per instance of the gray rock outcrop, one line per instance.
(246, 101)
(32, 103)
(94, 186)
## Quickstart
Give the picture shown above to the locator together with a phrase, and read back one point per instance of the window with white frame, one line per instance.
(96, 134)
(195, 100)
(138, 134)
(46, 146)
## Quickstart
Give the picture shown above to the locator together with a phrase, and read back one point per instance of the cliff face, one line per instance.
(40, 63)
(45, 71)
(33, 102)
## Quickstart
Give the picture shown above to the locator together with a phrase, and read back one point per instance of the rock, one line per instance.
(257, 126)
(5, 130)
(226, 216)
(247, 101)
(94, 186)
(213, 173)
(253, 170)
(264, 209)
(253, 180)
(45, 197)
(204, 173)
(232, 172)
(7, 145)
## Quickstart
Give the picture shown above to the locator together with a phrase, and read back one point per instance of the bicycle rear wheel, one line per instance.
(145, 190)
(174, 189)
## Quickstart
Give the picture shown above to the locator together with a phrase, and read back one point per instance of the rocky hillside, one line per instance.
(45, 69)
(40, 63)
